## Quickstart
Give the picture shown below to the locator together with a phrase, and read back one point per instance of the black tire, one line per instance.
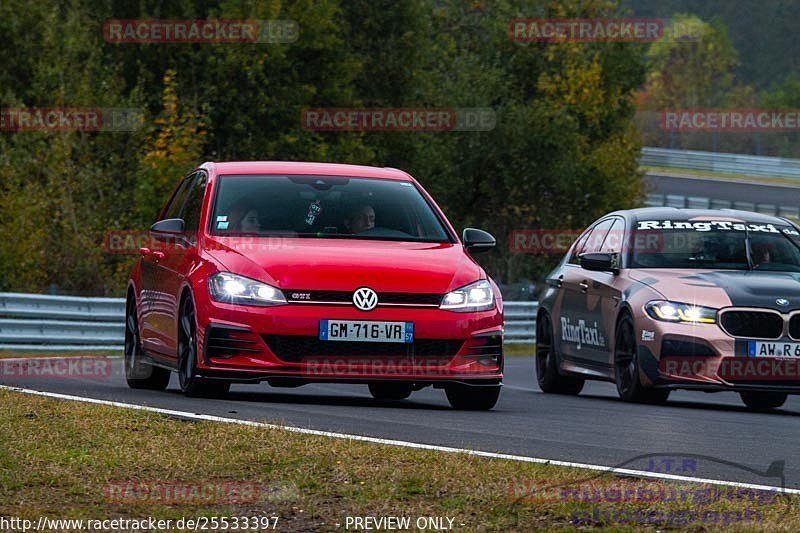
(192, 385)
(626, 367)
(763, 400)
(139, 373)
(472, 398)
(390, 390)
(547, 375)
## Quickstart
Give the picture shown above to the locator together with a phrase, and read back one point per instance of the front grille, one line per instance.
(384, 298)
(227, 342)
(749, 324)
(683, 348)
(794, 327)
(294, 348)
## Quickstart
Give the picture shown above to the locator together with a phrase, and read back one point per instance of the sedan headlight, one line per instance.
(234, 289)
(680, 312)
(477, 296)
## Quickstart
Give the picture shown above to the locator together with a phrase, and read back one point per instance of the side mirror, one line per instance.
(477, 240)
(600, 262)
(168, 230)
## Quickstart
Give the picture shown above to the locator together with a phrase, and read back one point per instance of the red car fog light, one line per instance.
(486, 350)
(225, 342)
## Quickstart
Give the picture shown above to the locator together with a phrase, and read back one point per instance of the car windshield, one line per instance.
(715, 245)
(324, 207)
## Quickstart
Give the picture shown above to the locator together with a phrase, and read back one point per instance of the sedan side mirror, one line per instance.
(600, 262)
(168, 230)
(477, 240)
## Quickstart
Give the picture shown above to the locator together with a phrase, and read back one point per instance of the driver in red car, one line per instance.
(362, 218)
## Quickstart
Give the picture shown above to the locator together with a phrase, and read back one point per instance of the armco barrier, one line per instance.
(59, 323)
(699, 202)
(39, 322)
(751, 165)
(520, 322)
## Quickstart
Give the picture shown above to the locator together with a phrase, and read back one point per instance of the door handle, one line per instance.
(584, 286)
(158, 255)
(144, 252)
(556, 282)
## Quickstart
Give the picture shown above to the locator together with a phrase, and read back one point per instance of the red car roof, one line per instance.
(292, 167)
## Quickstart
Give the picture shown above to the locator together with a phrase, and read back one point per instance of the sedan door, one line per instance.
(180, 258)
(151, 305)
(602, 296)
(575, 323)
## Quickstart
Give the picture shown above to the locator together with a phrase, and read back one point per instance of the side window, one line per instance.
(613, 240)
(194, 202)
(578, 249)
(173, 209)
(598, 235)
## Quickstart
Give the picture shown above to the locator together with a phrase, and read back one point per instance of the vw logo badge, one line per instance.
(783, 302)
(365, 299)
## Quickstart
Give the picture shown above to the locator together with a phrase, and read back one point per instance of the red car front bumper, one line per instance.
(258, 343)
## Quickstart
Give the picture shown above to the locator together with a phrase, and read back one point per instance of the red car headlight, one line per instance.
(231, 288)
(476, 296)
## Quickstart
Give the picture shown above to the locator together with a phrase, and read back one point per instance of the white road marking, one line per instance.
(405, 444)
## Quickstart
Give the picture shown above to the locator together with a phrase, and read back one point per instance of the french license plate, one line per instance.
(773, 349)
(366, 331)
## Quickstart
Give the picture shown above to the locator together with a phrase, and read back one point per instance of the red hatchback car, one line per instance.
(311, 272)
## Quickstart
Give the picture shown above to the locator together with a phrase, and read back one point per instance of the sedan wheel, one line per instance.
(626, 367)
(190, 383)
(547, 375)
(472, 398)
(389, 390)
(763, 400)
(139, 374)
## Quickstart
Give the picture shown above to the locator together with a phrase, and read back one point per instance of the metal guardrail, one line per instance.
(700, 202)
(38, 322)
(520, 322)
(750, 165)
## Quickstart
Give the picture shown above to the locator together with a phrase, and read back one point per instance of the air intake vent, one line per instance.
(227, 342)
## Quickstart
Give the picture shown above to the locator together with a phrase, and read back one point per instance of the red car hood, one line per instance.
(346, 264)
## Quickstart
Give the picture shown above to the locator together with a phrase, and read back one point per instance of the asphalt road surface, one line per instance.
(695, 434)
(718, 189)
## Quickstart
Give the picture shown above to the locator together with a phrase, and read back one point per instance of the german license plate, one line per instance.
(773, 349)
(366, 331)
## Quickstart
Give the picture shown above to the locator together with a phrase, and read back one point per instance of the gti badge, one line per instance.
(365, 299)
(783, 302)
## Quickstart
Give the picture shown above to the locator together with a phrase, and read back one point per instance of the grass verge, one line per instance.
(519, 349)
(58, 459)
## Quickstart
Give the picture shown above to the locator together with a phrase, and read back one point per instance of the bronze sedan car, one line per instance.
(658, 299)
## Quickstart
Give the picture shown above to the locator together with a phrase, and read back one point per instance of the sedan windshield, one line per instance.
(715, 245)
(324, 207)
